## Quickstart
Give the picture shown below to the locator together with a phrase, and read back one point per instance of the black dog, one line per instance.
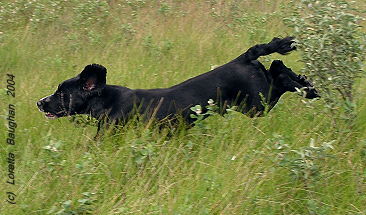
(244, 82)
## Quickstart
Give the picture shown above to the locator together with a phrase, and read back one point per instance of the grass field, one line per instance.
(295, 160)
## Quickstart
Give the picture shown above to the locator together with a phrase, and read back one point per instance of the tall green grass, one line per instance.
(295, 160)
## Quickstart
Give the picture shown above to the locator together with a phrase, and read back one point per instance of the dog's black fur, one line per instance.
(244, 81)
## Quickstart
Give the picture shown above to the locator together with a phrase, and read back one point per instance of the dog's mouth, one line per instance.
(50, 115)
(309, 91)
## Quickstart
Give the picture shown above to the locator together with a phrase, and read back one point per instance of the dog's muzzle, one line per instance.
(40, 105)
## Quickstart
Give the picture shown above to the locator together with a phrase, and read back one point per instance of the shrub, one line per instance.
(332, 48)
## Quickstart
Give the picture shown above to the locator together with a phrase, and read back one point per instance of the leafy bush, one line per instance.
(304, 164)
(332, 47)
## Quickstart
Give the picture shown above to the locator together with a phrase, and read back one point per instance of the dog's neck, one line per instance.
(101, 105)
(275, 93)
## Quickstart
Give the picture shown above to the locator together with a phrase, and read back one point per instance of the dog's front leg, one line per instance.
(99, 134)
(105, 127)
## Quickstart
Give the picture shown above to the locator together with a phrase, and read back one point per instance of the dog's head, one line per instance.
(287, 80)
(72, 95)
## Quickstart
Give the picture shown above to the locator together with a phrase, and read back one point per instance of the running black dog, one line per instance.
(243, 82)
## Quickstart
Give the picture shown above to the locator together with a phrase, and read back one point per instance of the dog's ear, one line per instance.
(93, 77)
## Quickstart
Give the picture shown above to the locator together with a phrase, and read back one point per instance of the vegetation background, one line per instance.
(296, 160)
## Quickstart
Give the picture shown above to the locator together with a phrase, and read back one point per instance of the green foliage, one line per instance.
(14, 14)
(157, 49)
(127, 32)
(332, 45)
(143, 148)
(165, 8)
(304, 163)
(53, 154)
(90, 12)
(81, 206)
(200, 114)
(255, 23)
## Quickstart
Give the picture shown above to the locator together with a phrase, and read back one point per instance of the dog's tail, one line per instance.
(282, 46)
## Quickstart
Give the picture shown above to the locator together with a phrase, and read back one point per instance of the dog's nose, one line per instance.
(40, 103)
(43, 101)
